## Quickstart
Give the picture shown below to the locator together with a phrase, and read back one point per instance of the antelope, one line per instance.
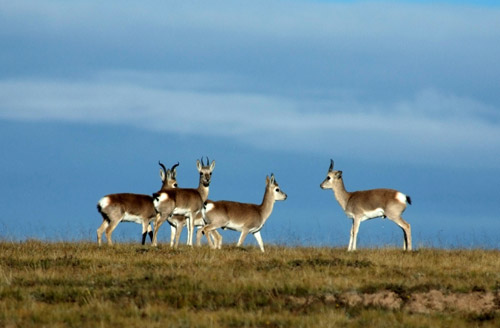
(128, 207)
(368, 204)
(243, 217)
(183, 202)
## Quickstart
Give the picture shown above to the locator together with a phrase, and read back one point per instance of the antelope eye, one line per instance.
(277, 189)
(328, 178)
(175, 185)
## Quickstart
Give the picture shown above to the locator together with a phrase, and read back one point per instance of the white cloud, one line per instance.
(428, 128)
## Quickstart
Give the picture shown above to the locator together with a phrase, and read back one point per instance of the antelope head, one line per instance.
(272, 186)
(168, 177)
(205, 171)
(331, 177)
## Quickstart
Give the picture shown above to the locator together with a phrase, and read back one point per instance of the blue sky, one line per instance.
(402, 95)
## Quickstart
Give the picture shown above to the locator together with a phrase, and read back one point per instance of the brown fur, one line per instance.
(190, 200)
(247, 218)
(133, 204)
(367, 204)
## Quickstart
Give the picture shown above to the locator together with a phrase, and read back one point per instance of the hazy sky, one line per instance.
(401, 94)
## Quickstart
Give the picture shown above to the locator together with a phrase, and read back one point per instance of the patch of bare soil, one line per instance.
(419, 302)
(437, 301)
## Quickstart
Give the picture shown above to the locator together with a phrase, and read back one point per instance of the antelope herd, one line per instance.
(191, 207)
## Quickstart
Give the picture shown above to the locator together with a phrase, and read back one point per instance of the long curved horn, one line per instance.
(202, 164)
(331, 166)
(163, 167)
(173, 167)
(208, 161)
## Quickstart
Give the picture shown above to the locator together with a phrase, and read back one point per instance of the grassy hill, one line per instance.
(80, 284)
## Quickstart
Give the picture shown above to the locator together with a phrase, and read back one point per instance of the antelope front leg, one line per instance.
(190, 220)
(178, 234)
(258, 237)
(173, 233)
(354, 234)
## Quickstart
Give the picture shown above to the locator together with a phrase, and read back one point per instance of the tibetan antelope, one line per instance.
(127, 207)
(247, 218)
(368, 204)
(183, 202)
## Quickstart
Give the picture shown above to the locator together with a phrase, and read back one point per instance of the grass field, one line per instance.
(46, 284)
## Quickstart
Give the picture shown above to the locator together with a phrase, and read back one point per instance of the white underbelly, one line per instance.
(234, 226)
(181, 211)
(127, 217)
(379, 212)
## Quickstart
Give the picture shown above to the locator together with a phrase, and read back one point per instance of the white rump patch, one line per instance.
(132, 218)
(161, 198)
(104, 202)
(209, 207)
(401, 197)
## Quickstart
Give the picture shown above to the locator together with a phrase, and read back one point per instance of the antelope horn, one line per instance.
(331, 165)
(163, 167)
(173, 167)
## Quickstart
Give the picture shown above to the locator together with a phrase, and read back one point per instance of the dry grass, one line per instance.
(79, 284)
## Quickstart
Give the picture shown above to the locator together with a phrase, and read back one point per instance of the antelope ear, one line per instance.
(198, 165)
(163, 171)
(212, 166)
(339, 174)
(273, 180)
(267, 180)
